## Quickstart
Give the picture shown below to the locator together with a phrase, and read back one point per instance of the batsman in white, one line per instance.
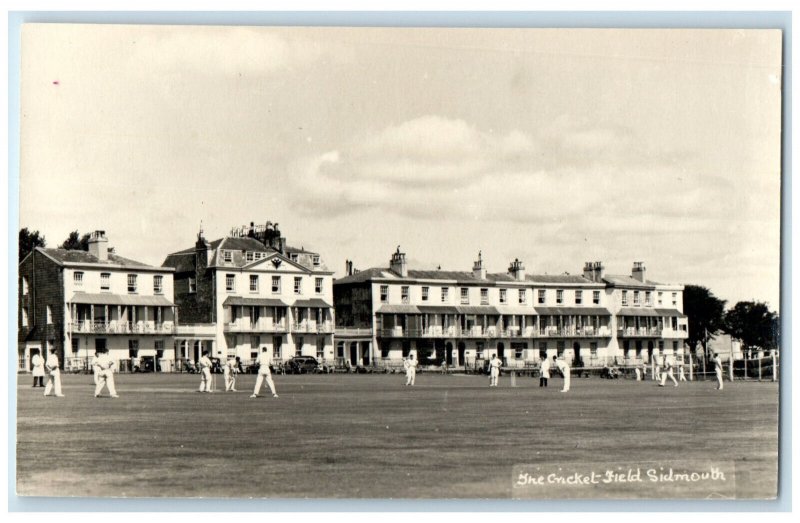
(104, 374)
(718, 369)
(564, 368)
(205, 373)
(264, 374)
(229, 371)
(667, 372)
(656, 369)
(494, 370)
(410, 364)
(53, 375)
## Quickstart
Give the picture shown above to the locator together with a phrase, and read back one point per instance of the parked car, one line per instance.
(301, 365)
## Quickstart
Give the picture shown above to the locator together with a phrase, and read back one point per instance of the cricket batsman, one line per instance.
(264, 374)
(53, 375)
(494, 370)
(229, 371)
(667, 373)
(104, 374)
(205, 373)
(718, 369)
(563, 367)
(411, 370)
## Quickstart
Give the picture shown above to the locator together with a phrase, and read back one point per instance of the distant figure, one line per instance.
(718, 369)
(229, 372)
(494, 370)
(563, 367)
(411, 370)
(205, 373)
(264, 374)
(638, 370)
(544, 370)
(95, 367)
(656, 370)
(53, 375)
(104, 374)
(37, 362)
(667, 373)
(681, 375)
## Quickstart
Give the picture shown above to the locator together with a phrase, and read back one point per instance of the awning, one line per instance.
(671, 313)
(313, 303)
(120, 299)
(398, 309)
(516, 311)
(633, 311)
(434, 309)
(572, 311)
(477, 309)
(253, 302)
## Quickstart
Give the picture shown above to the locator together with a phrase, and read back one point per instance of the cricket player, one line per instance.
(53, 375)
(681, 374)
(718, 369)
(104, 374)
(37, 362)
(205, 373)
(564, 368)
(264, 374)
(95, 368)
(544, 371)
(411, 370)
(494, 370)
(656, 370)
(667, 373)
(229, 371)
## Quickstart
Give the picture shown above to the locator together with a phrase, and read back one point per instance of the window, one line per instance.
(384, 293)
(132, 283)
(133, 347)
(541, 296)
(250, 256)
(158, 284)
(675, 347)
(523, 296)
(445, 294)
(105, 281)
(560, 296)
(298, 285)
(76, 345)
(519, 349)
(674, 298)
(255, 341)
(648, 298)
(636, 301)
(227, 256)
(464, 296)
(404, 293)
(660, 298)
(277, 343)
(542, 349)
(578, 297)
(99, 344)
(624, 298)
(593, 349)
(560, 348)
(503, 297)
(276, 285)
(596, 297)
(230, 282)
(254, 283)
(77, 278)
(315, 260)
(293, 257)
(49, 315)
(158, 345)
(298, 347)
(192, 285)
(318, 285)
(479, 350)
(484, 296)
(24, 285)
(320, 348)
(255, 314)
(24, 316)
(425, 293)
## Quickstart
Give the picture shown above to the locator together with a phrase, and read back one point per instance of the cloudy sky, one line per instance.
(552, 146)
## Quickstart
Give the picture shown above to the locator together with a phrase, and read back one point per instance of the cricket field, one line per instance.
(369, 436)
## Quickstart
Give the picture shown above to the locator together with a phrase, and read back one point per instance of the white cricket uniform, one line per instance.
(411, 371)
(718, 370)
(564, 368)
(681, 375)
(53, 375)
(668, 374)
(37, 370)
(104, 375)
(229, 371)
(264, 374)
(545, 369)
(205, 374)
(657, 372)
(494, 371)
(95, 370)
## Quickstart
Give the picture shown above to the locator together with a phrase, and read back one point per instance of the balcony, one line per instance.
(312, 327)
(639, 332)
(122, 327)
(258, 326)
(353, 332)
(574, 332)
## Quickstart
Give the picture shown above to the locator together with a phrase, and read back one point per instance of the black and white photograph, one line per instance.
(332, 262)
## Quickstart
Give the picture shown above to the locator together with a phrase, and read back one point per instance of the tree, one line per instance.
(29, 241)
(76, 242)
(753, 324)
(706, 315)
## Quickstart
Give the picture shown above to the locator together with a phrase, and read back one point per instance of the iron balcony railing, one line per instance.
(494, 332)
(122, 327)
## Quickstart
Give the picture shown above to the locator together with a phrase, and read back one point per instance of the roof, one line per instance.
(75, 257)
(477, 309)
(313, 303)
(398, 309)
(578, 311)
(628, 281)
(253, 302)
(640, 311)
(670, 312)
(180, 261)
(459, 277)
(437, 309)
(119, 299)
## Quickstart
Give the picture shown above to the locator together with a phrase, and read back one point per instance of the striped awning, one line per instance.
(434, 309)
(516, 311)
(120, 299)
(253, 302)
(635, 311)
(398, 309)
(572, 311)
(477, 309)
(313, 303)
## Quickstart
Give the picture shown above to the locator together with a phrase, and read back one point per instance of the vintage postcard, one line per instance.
(330, 262)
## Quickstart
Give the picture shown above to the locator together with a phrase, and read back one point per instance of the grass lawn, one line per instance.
(366, 436)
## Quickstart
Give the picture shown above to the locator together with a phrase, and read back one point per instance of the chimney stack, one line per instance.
(478, 269)
(398, 263)
(638, 271)
(588, 271)
(98, 245)
(517, 270)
